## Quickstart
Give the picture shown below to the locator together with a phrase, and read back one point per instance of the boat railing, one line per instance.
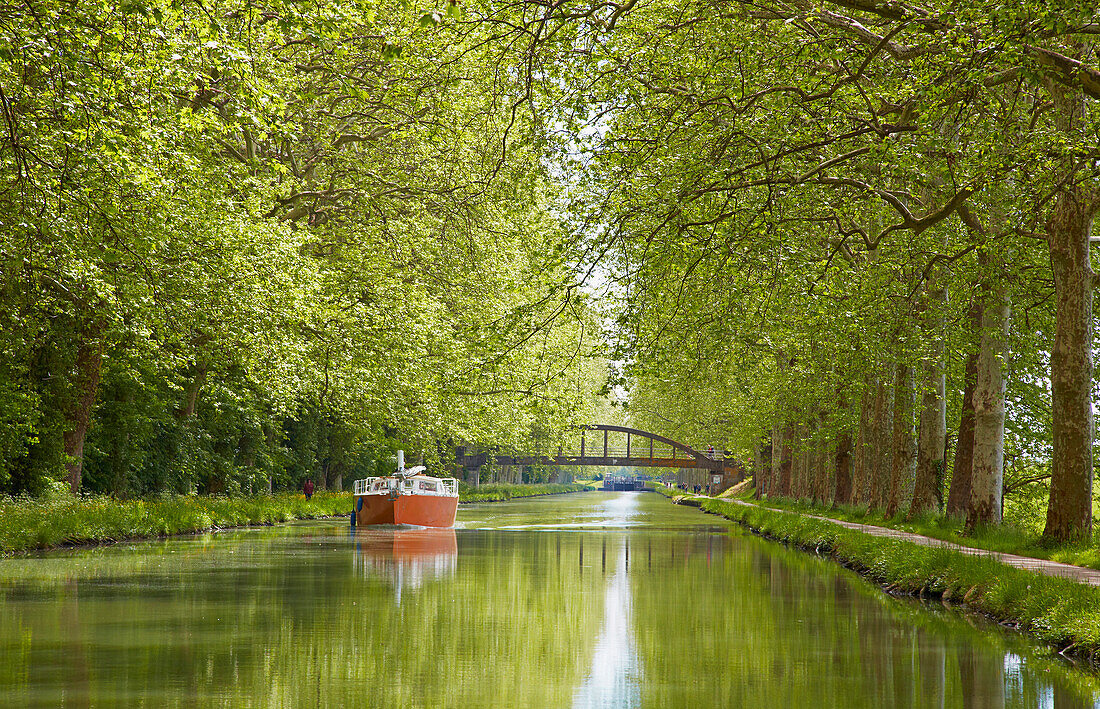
(448, 486)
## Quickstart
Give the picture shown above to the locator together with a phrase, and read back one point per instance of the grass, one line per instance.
(32, 523)
(1003, 538)
(1056, 611)
(27, 523)
(502, 491)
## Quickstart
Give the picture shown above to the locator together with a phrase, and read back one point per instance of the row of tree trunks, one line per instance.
(890, 460)
(895, 468)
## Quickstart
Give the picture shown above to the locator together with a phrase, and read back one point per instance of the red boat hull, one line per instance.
(421, 510)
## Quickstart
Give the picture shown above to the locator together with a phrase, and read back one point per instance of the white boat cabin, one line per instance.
(415, 485)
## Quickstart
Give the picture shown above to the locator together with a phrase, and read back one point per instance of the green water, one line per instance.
(590, 600)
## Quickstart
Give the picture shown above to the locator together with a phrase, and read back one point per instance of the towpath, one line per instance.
(1046, 567)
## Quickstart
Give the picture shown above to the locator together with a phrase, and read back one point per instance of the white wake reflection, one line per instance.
(615, 677)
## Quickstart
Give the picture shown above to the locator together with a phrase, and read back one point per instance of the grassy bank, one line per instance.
(497, 493)
(40, 524)
(1004, 538)
(28, 523)
(1056, 611)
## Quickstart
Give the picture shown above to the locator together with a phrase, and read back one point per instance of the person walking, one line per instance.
(307, 488)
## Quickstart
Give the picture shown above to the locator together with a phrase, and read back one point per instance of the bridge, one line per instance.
(643, 450)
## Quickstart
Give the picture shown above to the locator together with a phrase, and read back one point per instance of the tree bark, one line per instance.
(881, 449)
(842, 457)
(89, 366)
(842, 490)
(928, 477)
(987, 473)
(864, 453)
(959, 495)
(191, 393)
(763, 464)
(779, 445)
(824, 486)
(798, 463)
(904, 437)
(1069, 511)
(785, 463)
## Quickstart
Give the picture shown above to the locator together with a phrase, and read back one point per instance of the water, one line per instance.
(593, 600)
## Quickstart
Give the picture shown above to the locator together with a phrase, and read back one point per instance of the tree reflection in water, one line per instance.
(583, 600)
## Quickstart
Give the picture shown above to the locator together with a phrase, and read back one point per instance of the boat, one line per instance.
(406, 497)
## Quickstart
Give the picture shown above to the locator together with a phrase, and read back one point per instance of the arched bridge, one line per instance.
(643, 450)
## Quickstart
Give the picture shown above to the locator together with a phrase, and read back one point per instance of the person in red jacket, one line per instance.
(307, 488)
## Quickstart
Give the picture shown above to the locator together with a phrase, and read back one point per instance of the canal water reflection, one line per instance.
(593, 600)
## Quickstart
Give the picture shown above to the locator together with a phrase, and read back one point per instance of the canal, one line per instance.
(590, 600)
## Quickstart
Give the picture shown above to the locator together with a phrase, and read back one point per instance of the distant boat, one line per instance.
(406, 497)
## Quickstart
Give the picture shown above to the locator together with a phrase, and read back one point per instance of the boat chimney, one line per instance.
(400, 461)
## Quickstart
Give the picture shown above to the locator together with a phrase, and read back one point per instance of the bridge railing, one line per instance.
(634, 452)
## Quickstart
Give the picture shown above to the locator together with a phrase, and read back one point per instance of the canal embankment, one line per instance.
(43, 523)
(1058, 611)
(29, 524)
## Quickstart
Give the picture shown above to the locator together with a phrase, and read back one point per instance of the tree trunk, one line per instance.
(904, 440)
(191, 393)
(842, 490)
(786, 462)
(798, 463)
(987, 473)
(959, 495)
(881, 449)
(864, 453)
(824, 486)
(928, 477)
(89, 366)
(1069, 511)
(779, 450)
(763, 464)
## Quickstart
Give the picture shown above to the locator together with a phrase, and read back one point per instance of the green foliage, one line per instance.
(293, 241)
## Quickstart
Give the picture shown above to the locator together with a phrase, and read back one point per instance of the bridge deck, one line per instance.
(656, 452)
